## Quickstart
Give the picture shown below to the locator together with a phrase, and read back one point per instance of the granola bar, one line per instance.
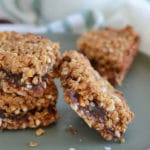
(32, 119)
(93, 98)
(28, 55)
(11, 83)
(16, 103)
(110, 51)
(27, 90)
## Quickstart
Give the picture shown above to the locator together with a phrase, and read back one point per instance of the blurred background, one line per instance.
(40, 11)
(76, 16)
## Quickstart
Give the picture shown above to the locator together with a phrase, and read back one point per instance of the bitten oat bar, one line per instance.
(110, 51)
(92, 97)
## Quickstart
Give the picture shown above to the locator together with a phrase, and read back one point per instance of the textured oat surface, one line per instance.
(27, 90)
(11, 83)
(18, 102)
(28, 54)
(110, 51)
(100, 105)
(32, 119)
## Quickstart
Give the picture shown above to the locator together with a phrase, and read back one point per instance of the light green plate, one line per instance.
(136, 89)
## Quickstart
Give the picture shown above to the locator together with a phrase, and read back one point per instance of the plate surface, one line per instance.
(136, 88)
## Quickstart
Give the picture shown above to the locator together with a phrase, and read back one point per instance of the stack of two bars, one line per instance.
(27, 91)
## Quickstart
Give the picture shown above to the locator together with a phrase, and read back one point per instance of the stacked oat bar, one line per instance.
(27, 91)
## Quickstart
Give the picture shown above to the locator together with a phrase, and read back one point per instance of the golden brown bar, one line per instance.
(32, 119)
(110, 51)
(93, 98)
(16, 103)
(28, 93)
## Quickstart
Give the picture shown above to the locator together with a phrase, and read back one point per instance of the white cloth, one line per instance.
(137, 14)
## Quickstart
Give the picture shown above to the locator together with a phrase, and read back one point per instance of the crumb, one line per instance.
(33, 144)
(39, 132)
(107, 148)
(122, 141)
(72, 130)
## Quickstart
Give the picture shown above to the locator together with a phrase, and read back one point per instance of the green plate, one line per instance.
(136, 88)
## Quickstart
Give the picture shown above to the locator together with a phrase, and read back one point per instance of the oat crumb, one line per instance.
(72, 130)
(39, 132)
(122, 141)
(33, 144)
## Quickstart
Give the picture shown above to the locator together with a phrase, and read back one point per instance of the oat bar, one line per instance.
(15, 103)
(28, 55)
(32, 119)
(110, 51)
(28, 93)
(11, 83)
(93, 98)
